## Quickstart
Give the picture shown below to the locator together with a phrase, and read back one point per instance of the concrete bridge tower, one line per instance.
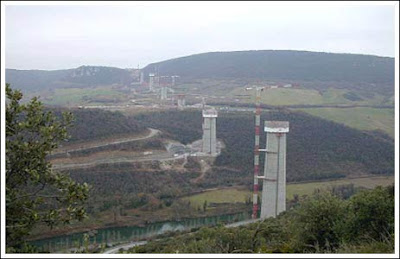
(163, 92)
(273, 199)
(151, 82)
(210, 131)
(181, 101)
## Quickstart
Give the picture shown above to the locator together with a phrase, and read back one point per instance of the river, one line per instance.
(116, 235)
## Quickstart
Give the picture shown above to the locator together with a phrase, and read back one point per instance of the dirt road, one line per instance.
(157, 157)
(116, 249)
(91, 145)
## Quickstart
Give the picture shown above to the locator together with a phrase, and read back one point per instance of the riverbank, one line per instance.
(117, 235)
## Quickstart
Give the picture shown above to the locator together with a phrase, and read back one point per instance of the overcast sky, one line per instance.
(57, 37)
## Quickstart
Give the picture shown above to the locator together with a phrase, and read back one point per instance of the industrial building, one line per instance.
(273, 199)
(210, 131)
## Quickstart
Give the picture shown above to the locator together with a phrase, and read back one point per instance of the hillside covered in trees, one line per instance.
(81, 77)
(361, 71)
(316, 148)
(281, 65)
(96, 124)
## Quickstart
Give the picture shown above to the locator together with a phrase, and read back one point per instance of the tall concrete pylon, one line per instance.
(141, 78)
(163, 93)
(181, 101)
(210, 131)
(151, 82)
(273, 199)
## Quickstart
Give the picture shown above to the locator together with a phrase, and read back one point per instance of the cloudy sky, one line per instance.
(60, 36)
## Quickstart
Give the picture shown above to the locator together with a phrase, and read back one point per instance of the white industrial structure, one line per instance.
(210, 131)
(163, 94)
(141, 78)
(174, 79)
(151, 82)
(181, 101)
(273, 199)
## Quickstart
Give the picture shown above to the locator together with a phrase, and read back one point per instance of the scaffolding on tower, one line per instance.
(256, 147)
(256, 151)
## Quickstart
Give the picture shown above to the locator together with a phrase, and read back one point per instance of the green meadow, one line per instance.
(237, 195)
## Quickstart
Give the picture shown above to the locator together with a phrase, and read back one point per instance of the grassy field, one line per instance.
(308, 188)
(280, 96)
(362, 118)
(233, 195)
(80, 96)
(300, 96)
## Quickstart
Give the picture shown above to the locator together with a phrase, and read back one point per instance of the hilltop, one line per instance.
(81, 77)
(281, 64)
(366, 71)
(371, 71)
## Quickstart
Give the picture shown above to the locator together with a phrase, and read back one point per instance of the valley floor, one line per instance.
(219, 201)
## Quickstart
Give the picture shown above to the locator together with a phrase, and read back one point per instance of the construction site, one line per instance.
(158, 90)
(172, 154)
(196, 169)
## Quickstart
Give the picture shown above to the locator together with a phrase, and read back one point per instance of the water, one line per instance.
(134, 233)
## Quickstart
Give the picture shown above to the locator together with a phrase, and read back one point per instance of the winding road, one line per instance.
(152, 133)
(157, 156)
(116, 249)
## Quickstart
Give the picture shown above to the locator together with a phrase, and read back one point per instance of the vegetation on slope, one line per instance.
(84, 96)
(35, 194)
(236, 195)
(323, 223)
(129, 180)
(362, 118)
(81, 77)
(360, 71)
(95, 124)
(316, 148)
(315, 95)
(281, 64)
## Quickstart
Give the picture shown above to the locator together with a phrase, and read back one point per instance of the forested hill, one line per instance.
(281, 64)
(83, 76)
(369, 70)
(316, 148)
(95, 124)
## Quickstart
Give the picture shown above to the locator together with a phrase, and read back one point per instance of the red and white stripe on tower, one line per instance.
(256, 151)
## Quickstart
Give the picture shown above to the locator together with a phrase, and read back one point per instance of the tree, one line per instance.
(34, 192)
(205, 205)
(372, 214)
(317, 222)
